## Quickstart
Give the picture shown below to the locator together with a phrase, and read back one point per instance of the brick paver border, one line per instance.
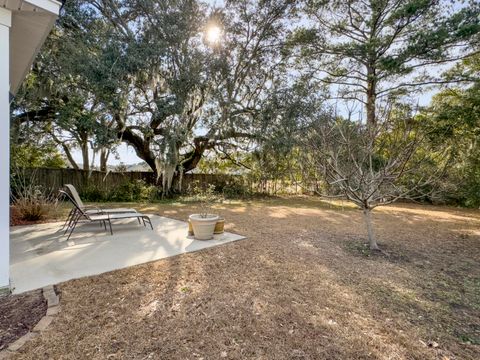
(53, 308)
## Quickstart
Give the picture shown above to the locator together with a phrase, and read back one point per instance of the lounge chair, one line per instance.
(103, 218)
(91, 210)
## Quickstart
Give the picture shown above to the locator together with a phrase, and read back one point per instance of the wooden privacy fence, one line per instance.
(54, 180)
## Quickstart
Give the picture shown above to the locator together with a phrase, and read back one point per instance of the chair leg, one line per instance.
(68, 218)
(69, 221)
(72, 219)
(148, 220)
(75, 221)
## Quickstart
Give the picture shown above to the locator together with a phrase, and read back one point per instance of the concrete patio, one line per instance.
(40, 254)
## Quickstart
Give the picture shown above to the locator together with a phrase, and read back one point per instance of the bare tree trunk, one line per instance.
(66, 150)
(367, 215)
(70, 158)
(104, 154)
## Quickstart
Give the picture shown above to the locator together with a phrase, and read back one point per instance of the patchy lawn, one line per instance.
(303, 285)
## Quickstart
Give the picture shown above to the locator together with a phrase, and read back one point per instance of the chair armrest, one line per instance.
(92, 207)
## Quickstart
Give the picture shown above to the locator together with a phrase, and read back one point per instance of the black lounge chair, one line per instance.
(102, 217)
(91, 210)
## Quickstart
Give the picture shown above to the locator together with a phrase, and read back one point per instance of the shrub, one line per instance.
(128, 191)
(35, 206)
(134, 191)
(94, 194)
(31, 202)
(150, 193)
(235, 189)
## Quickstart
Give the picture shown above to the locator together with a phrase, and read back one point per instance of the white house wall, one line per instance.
(5, 23)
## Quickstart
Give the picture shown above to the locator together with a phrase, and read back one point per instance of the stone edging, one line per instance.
(53, 308)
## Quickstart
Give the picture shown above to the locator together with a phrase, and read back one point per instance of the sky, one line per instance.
(126, 156)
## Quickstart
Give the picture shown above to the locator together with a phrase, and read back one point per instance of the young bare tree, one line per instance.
(372, 165)
(371, 54)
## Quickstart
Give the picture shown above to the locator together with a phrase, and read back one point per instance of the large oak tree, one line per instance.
(144, 69)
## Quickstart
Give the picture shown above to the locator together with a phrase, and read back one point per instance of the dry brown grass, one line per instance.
(303, 285)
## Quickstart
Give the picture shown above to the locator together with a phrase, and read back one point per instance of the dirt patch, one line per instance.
(300, 287)
(19, 314)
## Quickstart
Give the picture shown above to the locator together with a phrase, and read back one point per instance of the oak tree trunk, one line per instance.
(86, 160)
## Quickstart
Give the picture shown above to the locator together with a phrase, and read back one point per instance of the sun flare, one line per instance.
(213, 34)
